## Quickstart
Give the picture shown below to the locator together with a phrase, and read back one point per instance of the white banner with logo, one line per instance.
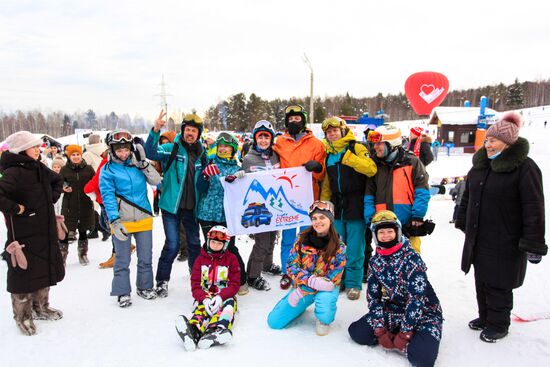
(268, 201)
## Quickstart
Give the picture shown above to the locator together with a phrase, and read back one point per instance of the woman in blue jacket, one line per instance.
(123, 185)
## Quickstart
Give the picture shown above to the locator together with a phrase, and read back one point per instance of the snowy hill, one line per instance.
(96, 332)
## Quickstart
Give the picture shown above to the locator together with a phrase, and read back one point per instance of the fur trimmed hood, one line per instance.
(507, 161)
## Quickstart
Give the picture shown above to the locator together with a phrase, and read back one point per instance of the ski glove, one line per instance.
(118, 230)
(211, 170)
(320, 283)
(238, 174)
(313, 166)
(138, 157)
(401, 340)
(534, 258)
(295, 296)
(212, 305)
(385, 338)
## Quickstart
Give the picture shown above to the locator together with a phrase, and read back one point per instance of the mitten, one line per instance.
(295, 296)
(385, 338)
(207, 302)
(230, 178)
(118, 230)
(401, 340)
(534, 258)
(313, 166)
(215, 305)
(211, 170)
(17, 256)
(320, 283)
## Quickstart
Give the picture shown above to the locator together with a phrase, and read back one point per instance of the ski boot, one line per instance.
(214, 336)
(188, 333)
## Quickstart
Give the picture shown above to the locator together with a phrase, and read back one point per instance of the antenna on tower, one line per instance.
(164, 102)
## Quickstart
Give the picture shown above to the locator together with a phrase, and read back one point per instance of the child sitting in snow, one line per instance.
(404, 311)
(214, 283)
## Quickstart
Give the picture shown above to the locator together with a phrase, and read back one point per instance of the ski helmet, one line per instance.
(296, 110)
(263, 125)
(230, 140)
(192, 119)
(117, 139)
(334, 122)
(385, 219)
(218, 233)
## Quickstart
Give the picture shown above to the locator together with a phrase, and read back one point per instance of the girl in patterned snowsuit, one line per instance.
(404, 311)
(214, 283)
(315, 266)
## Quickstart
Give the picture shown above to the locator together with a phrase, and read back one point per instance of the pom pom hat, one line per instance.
(506, 129)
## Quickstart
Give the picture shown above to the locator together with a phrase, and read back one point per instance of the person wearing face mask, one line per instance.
(315, 265)
(183, 161)
(298, 147)
(404, 311)
(502, 215)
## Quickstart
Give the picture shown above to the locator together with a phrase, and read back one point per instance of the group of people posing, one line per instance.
(376, 192)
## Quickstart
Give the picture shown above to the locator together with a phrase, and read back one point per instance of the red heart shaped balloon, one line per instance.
(426, 90)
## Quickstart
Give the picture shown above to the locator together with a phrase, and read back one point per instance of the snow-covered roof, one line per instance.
(459, 115)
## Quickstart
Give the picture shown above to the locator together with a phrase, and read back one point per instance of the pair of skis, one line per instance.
(529, 317)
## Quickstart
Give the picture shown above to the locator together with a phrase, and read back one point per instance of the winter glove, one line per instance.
(118, 230)
(211, 170)
(239, 174)
(313, 166)
(401, 340)
(460, 224)
(207, 302)
(17, 256)
(534, 258)
(320, 283)
(295, 296)
(385, 338)
(215, 305)
(138, 157)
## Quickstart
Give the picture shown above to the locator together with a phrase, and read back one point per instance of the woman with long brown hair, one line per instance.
(315, 265)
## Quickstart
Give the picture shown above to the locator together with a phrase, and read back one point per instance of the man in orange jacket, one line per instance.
(298, 147)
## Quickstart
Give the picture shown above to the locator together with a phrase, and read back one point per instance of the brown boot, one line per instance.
(64, 247)
(41, 309)
(109, 263)
(83, 252)
(22, 312)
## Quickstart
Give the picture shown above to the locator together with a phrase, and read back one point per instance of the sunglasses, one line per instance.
(321, 205)
(374, 137)
(121, 137)
(218, 236)
(294, 108)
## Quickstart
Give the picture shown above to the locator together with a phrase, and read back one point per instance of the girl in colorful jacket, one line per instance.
(348, 165)
(315, 266)
(211, 212)
(214, 283)
(123, 185)
(404, 311)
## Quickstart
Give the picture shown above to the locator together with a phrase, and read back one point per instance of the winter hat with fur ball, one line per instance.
(21, 141)
(507, 128)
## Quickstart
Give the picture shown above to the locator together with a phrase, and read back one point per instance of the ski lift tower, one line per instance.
(164, 103)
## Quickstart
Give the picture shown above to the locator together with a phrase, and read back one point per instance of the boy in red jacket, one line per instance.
(215, 281)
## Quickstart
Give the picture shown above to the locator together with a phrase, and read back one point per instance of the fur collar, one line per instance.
(507, 161)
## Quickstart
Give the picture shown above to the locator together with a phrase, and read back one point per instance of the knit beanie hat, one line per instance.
(94, 139)
(170, 135)
(506, 129)
(59, 161)
(21, 141)
(416, 131)
(70, 149)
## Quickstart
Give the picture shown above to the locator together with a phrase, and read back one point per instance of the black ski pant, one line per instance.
(494, 305)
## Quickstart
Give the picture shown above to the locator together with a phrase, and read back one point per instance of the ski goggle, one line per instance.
(263, 125)
(333, 122)
(374, 137)
(294, 108)
(227, 139)
(321, 205)
(218, 236)
(191, 119)
(121, 137)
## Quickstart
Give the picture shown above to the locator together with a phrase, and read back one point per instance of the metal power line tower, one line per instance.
(164, 102)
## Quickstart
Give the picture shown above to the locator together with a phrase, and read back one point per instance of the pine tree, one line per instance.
(514, 98)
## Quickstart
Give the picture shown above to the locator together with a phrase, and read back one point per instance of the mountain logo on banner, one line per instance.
(275, 199)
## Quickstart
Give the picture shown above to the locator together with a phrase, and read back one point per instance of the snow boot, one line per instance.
(322, 329)
(105, 235)
(259, 283)
(491, 336)
(476, 324)
(273, 269)
(243, 290)
(353, 293)
(147, 293)
(109, 263)
(162, 289)
(285, 282)
(188, 333)
(22, 312)
(64, 248)
(124, 301)
(41, 309)
(217, 336)
(83, 252)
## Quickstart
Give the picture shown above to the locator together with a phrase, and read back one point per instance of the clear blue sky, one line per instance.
(110, 55)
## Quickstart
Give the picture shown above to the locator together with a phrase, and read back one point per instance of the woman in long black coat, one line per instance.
(28, 190)
(502, 215)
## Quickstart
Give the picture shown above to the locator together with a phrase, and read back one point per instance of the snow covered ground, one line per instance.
(96, 332)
